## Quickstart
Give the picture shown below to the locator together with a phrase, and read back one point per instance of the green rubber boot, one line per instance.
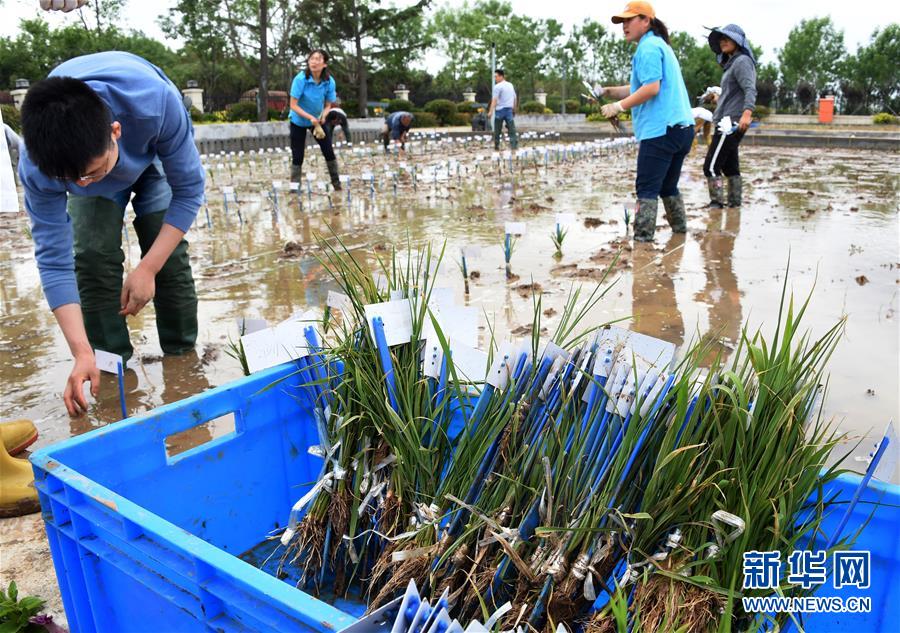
(675, 214)
(333, 174)
(645, 219)
(176, 298)
(97, 233)
(735, 197)
(716, 193)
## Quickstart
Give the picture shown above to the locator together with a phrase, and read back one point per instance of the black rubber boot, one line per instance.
(296, 173)
(97, 233)
(176, 298)
(333, 174)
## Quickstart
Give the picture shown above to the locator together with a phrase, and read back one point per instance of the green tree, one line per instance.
(812, 54)
(606, 56)
(263, 37)
(875, 69)
(698, 63)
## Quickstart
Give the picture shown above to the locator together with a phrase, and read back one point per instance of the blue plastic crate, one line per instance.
(144, 541)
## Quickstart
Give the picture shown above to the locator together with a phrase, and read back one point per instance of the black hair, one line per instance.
(660, 29)
(326, 75)
(501, 72)
(66, 125)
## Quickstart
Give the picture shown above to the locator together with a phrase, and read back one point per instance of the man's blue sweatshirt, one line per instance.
(155, 124)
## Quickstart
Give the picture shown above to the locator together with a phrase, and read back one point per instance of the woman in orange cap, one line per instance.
(661, 116)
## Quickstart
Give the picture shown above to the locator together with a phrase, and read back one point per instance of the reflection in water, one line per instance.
(721, 290)
(654, 306)
(183, 376)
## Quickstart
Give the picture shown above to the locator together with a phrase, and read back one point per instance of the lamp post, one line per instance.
(565, 74)
(492, 28)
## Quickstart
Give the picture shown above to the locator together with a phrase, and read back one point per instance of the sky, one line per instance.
(766, 22)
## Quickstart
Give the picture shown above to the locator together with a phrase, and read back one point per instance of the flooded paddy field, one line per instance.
(832, 215)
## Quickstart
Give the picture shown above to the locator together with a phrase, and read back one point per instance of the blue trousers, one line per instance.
(659, 162)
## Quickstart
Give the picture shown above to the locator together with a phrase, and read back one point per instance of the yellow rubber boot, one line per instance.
(18, 495)
(17, 435)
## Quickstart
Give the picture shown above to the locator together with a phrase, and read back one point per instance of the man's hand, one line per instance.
(612, 109)
(137, 291)
(61, 5)
(85, 369)
(318, 132)
(746, 120)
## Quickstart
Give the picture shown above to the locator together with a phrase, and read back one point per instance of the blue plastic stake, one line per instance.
(208, 219)
(121, 375)
(882, 446)
(384, 354)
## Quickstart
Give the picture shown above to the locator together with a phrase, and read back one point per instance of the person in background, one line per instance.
(336, 117)
(504, 104)
(396, 128)
(737, 101)
(312, 97)
(100, 131)
(661, 115)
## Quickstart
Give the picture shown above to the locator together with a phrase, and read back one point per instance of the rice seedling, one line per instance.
(582, 479)
(558, 236)
(509, 246)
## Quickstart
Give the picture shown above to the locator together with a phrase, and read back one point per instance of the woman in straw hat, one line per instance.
(661, 115)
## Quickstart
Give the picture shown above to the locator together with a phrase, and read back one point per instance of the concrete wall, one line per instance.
(813, 119)
(549, 120)
(235, 137)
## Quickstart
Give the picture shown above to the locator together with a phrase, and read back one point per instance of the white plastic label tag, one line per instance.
(249, 326)
(397, 319)
(108, 362)
(565, 219)
(515, 228)
(273, 346)
(338, 301)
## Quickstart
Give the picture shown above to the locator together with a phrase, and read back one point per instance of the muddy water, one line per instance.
(833, 213)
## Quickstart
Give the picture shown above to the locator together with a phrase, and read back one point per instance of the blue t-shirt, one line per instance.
(395, 123)
(654, 60)
(155, 124)
(311, 96)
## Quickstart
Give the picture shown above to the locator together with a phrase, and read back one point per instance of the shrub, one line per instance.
(761, 111)
(469, 107)
(532, 107)
(572, 106)
(277, 115)
(463, 118)
(882, 118)
(350, 106)
(596, 117)
(241, 111)
(12, 117)
(587, 108)
(443, 109)
(396, 105)
(425, 119)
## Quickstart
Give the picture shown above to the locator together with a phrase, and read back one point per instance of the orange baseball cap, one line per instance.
(632, 9)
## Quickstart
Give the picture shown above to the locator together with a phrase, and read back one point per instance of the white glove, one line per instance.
(725, 125)
(61, 5)
(598, 90)
(612, 109)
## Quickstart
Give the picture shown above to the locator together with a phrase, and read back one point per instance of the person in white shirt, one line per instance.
(504, 104)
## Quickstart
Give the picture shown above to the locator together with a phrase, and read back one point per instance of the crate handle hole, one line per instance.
(191, 438)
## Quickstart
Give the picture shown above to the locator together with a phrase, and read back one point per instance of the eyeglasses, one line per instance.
(99, 175)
